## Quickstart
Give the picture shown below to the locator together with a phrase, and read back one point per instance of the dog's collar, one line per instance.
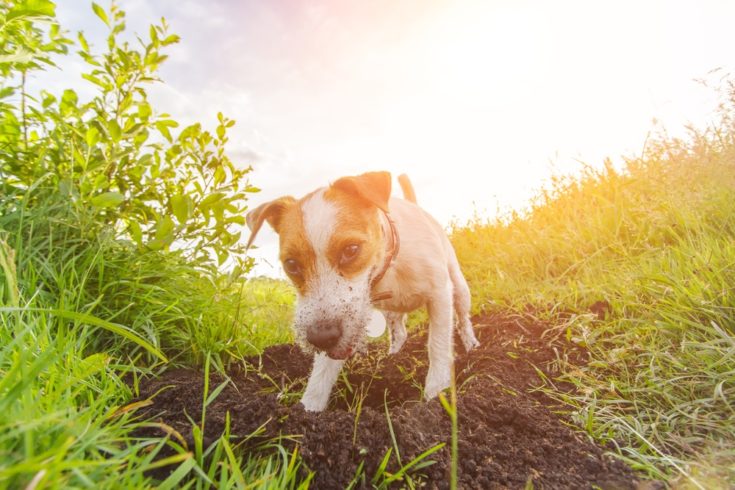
(390, 257)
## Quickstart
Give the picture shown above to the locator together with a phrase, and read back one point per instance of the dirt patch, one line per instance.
(508, 434)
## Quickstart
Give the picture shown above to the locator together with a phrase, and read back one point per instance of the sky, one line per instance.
(479, 102)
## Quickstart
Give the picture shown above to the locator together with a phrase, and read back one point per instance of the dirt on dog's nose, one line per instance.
(325, 335)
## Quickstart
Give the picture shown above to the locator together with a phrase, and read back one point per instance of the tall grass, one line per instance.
(174, 304)
(655, 242)
(58, 395)
(81, 312)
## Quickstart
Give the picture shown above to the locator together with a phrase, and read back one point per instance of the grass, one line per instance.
(57, 426)
(267, 304)
(83, 315)
(656, 242)
(408, 474)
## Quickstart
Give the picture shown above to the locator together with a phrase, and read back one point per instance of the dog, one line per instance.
(349, 248)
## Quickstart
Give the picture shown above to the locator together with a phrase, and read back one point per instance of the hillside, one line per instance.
(638, 267)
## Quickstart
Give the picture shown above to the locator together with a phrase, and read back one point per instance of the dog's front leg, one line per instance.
(441, 350)
(323, 376)
(397, 328)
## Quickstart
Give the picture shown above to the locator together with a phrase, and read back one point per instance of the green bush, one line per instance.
(111, 177)
(114, 157)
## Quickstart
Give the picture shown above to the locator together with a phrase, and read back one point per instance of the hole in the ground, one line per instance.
(506, 434)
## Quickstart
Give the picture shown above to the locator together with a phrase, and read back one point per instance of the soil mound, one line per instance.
(509, 434)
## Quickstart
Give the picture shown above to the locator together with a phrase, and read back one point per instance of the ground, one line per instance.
(510, 435)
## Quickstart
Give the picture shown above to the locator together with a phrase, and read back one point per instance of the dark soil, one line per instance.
(509, 434)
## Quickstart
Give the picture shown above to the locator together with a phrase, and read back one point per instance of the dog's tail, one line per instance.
(407, 188)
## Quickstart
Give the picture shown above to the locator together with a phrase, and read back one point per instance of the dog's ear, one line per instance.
(373, 187)
(271, 211)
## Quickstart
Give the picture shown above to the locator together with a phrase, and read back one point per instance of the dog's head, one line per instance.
(331, 245)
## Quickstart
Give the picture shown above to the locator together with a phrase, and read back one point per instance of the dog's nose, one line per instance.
(324, 335)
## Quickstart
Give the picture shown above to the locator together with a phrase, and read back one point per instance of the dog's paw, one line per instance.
(468, 339)
(470, 344)
(436, 381)
(396, 344)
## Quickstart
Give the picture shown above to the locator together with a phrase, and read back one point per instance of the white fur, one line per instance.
(397, 325)
(330, 297)
(323, 375)
(320, 220)
(424, 273)
(441, 350)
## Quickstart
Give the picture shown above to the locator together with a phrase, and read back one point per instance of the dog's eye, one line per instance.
(349, 253)
(292, 267)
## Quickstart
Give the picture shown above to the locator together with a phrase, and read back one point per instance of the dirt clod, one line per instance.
(509, 435)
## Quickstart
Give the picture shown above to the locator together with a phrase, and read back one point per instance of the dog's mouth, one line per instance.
(340, 354)
(346, 348)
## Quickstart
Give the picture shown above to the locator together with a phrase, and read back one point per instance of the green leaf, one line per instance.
(163, 126)
(168, 123)
(32, 8)
(180, 206)
(211, 199)
(107, 200)
(165, 230)
(100, 12)
(144, 110)
(219, 175)
(83, 41)
(104, 84)
(135, 232)
(114, 129)
(93, 136)
(172, 39)
(240, 220)
(20, 56)
(48, 99)
(153, 35)
(69, 102)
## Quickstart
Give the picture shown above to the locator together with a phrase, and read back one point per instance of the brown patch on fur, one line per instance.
(357, 223)
(295, 245)
(370, 187)
(271, 211)
(408, 193)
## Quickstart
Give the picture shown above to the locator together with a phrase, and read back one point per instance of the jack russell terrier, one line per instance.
(340, 247)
